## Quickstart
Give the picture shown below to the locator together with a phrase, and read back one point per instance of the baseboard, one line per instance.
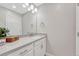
(48, 54)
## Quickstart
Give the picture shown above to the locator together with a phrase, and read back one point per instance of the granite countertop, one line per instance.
(23, 35)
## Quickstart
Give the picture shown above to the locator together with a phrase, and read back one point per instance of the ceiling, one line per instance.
(18, 7)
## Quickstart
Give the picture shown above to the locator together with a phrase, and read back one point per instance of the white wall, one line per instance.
(29, 23)
(58, 20)
(77, 30)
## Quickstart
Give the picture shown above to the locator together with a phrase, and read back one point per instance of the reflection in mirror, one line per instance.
(2, 17)
(19, 21)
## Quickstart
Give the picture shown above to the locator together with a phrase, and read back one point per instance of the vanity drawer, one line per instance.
(22, 51)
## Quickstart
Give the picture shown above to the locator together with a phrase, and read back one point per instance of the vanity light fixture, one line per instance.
(13, 6)
(32, 7)
(35, 10)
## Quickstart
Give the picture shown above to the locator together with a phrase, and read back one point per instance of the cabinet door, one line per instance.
(22, 51)
(40, 47)
(30, 53)
(43, 47)
(38, 50)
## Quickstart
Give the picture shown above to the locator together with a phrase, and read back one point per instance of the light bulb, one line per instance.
(29, 9)
(13, 6)
(27, 4)
(35, 10)
(32, 7)
(23, 6)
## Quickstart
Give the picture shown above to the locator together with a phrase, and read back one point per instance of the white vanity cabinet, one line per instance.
(37, 48)
(40, 47)
(33, 46)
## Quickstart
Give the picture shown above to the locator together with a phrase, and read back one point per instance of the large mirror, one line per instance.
(18, 18)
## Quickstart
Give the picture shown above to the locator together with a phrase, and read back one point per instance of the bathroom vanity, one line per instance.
(25, 46)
